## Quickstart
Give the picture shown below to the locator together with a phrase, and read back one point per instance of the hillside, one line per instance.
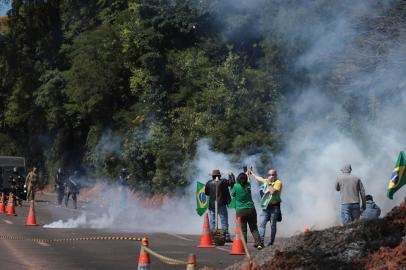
(377, 244)
(97, 86)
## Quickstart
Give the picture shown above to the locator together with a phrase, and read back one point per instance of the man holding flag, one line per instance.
(219, 197)
(398, 178)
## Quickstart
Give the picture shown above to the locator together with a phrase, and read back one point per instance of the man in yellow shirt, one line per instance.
(270, 203)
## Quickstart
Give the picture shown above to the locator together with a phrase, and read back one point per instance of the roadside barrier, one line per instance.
(190, 263)
(205, 239)
(10, 205)
(58, 240)
(238, 247)
(31, 220)
(2, 208)
(144, 259)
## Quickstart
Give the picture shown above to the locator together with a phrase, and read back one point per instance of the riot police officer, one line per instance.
(17, 186)
(72, 187)
(60, 181)
(123, 186)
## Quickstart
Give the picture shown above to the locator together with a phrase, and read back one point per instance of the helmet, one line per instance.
(59, 170)
(123, 170)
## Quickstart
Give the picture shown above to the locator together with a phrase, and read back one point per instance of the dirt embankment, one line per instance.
(374, 244)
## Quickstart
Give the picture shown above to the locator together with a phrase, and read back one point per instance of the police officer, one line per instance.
(60, 181)
(124, 177)
(31, 183)
(72, 187)
(123, 186)
(17, 186)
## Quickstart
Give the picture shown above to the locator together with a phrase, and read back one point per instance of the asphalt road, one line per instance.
(26, 254)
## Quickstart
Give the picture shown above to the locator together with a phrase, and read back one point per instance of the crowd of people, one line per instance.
(236, 193)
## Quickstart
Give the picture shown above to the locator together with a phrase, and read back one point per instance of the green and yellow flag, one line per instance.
(202, 200)
(398, 178)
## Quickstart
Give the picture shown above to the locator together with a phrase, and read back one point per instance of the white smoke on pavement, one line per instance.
(171, 214)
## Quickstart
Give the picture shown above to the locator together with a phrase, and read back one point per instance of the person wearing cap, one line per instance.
(372, 210)
(351, 194)
(217, 188)
(270, 203)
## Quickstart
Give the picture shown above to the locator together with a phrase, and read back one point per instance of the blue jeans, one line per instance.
(223, 216)
(349, 212)
(270, 214)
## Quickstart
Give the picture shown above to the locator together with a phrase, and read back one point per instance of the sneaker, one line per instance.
(269, 244)
(259, 247)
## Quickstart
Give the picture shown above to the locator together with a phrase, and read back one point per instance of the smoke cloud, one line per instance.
(360, 120)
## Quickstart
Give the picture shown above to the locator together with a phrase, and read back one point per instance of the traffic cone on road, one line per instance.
(205, 239)
(144, 261)
(2, 208)
(10, 205)
(31, 220)
(191, 262)
(238, 246)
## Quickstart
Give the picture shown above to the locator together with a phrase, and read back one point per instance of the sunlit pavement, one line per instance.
(25, 254)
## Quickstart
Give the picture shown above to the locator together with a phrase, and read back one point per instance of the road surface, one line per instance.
(26, 254)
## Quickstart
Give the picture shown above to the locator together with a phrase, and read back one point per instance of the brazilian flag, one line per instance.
(202, 200)
(398, 178)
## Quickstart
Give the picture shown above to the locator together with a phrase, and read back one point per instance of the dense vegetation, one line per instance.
(102, 84)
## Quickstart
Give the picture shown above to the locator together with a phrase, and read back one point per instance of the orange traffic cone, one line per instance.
(10, 205)
(238, 246)
(31, 220)
(144, 261)
(191, 262)
(2, 208)
(205, 239)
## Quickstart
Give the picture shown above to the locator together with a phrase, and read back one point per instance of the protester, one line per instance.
(245, 208)
(351, 190)
(31, 183)
(372, 210)
(217, 189)
(270, 203)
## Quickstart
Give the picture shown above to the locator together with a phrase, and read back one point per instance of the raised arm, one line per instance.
(259, 178)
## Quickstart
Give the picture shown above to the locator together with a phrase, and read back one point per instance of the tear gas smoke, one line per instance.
(359, 122)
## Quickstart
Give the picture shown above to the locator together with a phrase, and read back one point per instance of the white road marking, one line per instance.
(43, 244)
(223, 249)
(8, 221)
(179, 237)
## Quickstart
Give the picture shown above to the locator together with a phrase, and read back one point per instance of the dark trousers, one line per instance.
(74, 198)
(249, 215)
(61, 194)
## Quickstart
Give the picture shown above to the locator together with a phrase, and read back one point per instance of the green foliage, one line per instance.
(135, 84)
